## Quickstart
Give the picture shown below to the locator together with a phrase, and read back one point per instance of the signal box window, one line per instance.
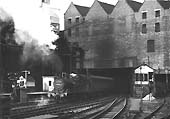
(49, 83)
(145, 77)
(157, 27)
(144, 30)
(144, 15)
(150, 46)
(137, 77)
(157, 13)
(150, 75)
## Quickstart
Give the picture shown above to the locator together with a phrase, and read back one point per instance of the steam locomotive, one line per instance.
(81, 86)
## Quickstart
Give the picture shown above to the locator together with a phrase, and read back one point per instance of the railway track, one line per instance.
(85, 113)
(162, 112)
(118, 109)
(57, 109)
(108, 111)
(151, 115)
(107, 108)
(112, 110)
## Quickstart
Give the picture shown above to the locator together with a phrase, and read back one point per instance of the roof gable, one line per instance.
(134, 5)
(70, 6)
(107, 7)
(144, 68)
(164, 3)
(82, 9)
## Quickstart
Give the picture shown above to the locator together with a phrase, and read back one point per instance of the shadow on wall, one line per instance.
(104, 52)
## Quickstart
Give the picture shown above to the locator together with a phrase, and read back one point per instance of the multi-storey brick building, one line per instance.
(153, 33)
(125, 35)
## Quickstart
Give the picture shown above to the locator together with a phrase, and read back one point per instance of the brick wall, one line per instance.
(117, 41)
(159, 58)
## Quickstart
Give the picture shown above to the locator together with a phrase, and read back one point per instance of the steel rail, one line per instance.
(155, 111)
(122, 109)
(110, 111)
(84, 113)
(33, 108)
(53, 109)
(80, 114)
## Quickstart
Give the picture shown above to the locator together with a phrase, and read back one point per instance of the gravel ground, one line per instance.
(165, 110)
(148, 107)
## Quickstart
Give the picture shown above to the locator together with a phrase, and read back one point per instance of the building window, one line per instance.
(157, 27)
(144, 15)
(157, 13)
(69, 20)
(144, 30)
(150, 75)
(69, 32)
(49, 83)
(145, 77)
(77, 31)
(140, 77)
(150, 46)
(77, 19)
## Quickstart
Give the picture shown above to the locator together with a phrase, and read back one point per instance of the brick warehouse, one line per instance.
(125, 35)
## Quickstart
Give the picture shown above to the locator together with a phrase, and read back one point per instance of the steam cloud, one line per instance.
(33, 51)
(36, 42)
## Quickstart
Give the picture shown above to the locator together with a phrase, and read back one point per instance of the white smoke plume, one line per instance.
(31, 48)
(33, 31)
(29, 16)
(32, 51)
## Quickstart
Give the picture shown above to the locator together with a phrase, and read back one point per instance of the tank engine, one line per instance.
(81, 85)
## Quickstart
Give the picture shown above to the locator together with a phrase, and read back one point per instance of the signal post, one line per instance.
(23, 87)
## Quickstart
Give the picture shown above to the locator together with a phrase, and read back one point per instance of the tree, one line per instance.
(62, 45)
(63, 50)
(70, 53)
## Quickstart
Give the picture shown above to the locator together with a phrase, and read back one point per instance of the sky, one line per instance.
(29, 16)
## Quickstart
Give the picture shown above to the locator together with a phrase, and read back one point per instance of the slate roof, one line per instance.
(134, 5)
(82, 9)
(165, 4)
(107, 7)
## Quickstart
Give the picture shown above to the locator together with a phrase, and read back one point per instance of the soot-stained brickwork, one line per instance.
(132, 34)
